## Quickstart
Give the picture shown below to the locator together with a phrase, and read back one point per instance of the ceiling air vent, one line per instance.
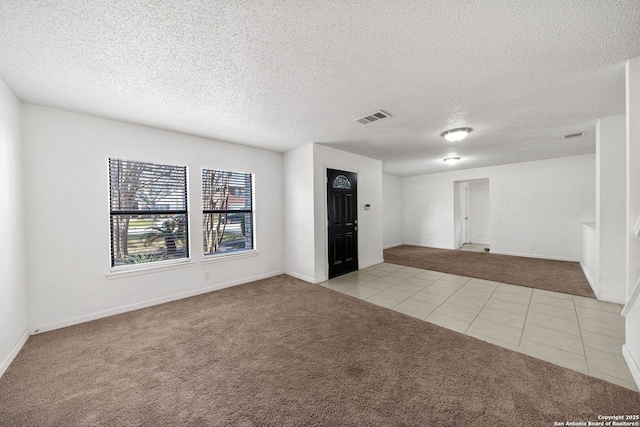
(373, 117)
(573, 135)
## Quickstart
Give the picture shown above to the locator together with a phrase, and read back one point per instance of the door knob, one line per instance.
(355, 229)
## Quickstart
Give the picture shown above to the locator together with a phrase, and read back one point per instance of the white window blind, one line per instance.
(148, 210)
(227, 211)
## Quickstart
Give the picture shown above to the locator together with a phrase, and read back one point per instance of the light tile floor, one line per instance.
(473, 247)
(578, 333)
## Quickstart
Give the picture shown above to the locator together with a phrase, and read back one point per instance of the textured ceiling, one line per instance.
(283, 73)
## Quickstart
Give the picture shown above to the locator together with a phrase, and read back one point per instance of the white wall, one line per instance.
(299, 247)
(479, 211)
(305, 231)
(631, 349)
(392, 206)
(539, 203)
(14, 311)
(458, 215)
(67, 197)
(589, 254)
(611, 194)
(369, 192)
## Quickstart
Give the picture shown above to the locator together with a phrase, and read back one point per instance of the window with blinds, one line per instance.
(148, 209)
(227, 211)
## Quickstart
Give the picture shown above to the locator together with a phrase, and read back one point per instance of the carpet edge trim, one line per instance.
(144, 304)
(537, 256)
(14, 352)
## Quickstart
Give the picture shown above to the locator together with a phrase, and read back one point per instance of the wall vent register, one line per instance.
(573, 135)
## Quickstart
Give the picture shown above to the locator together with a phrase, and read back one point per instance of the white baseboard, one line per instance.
(144, 304)
(609, 298)
(369, 264)
(538, 256)
(632, 364)
(299, 276)
(591, 280)
(14, 352)
(480, 242)
(395, 245)
(425, 245)
(324, 279)
(632, 307)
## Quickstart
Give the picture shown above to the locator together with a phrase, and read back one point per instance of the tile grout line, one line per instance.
(584, 349)
(498, 323)
(423, 288)
(526, 316)
(482, 308)
(392, 285)
(598, 333)
(553, 346)
(438, 305)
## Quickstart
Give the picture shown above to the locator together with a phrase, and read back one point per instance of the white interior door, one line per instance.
(464, 212)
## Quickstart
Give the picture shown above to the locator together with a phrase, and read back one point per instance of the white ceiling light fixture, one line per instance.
(451, 160)
(455, 135)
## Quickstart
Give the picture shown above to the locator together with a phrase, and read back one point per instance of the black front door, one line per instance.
(342, 212)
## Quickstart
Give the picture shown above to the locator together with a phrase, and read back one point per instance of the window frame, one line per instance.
(141, 267)
(240, 253)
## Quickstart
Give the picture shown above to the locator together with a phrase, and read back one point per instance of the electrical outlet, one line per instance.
(207, 275)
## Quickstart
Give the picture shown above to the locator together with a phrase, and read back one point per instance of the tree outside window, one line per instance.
(148, 209)
(227, 201)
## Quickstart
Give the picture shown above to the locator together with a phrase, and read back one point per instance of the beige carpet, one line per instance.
(550, 275)
(283, 352)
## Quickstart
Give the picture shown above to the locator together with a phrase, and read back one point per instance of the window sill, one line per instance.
(128, 272)
(227, 257)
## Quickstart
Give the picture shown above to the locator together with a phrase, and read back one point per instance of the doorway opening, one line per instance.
(472, 207)
(342, 216)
